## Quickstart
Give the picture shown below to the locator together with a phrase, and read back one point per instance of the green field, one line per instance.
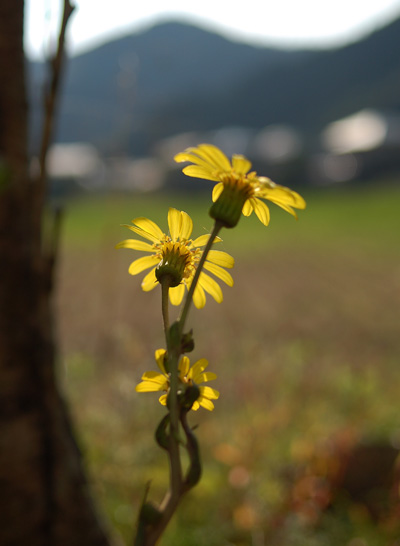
(307, 352)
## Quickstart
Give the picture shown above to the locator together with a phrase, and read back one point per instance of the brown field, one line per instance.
(306, 347)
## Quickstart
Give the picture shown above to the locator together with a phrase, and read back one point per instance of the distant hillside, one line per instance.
(307, 91)
(125, 95)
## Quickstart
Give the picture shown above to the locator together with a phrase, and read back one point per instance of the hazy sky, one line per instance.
(301, 23)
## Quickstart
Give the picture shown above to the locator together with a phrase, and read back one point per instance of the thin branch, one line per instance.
(50, 102)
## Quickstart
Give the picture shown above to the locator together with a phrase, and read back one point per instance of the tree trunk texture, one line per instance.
(44, 499)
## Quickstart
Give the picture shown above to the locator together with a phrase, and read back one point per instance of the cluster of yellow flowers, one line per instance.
(238, 190)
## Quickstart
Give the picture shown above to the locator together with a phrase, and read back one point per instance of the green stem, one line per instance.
(173, 352)
(173, 337)
(189, 297)
(174, 453)
(164, 305)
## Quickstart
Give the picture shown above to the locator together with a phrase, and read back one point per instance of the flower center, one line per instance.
(238, 183)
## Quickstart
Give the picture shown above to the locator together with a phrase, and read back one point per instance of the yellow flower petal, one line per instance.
(160, 355)
(203, 240)
(174, 223)
(141, 264)
(213, 155)
(217, 190)
(198, 368)
(149, 386)
(247, 208)
(142, 233)
(199, 172)
(148, 226)
(282, 195)
(221, 258)
(204, 377)
(211, 286)
(262, 211)
(241, 164)
(156, 377)
(150, 281)
(205, 403)
(192, 158)
(176, 294)
(209, 392)
(135, 245)
(163, 399)
(300, 203)
(199, 297)
(183, 366)
(287, 208)
(195, 406)
(186, 226)
(219, 272)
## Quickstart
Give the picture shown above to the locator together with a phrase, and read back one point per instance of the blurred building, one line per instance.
(74, 166)
(362, 146)
(77, 167)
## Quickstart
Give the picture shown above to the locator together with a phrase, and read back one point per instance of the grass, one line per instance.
(305, 347)
(365, 216)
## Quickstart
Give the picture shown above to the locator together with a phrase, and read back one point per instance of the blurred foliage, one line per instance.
(305, 347)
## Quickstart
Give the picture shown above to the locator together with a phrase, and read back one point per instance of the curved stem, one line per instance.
(192, 447)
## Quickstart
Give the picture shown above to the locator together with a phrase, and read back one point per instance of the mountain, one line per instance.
(126, 95)
(308, 90)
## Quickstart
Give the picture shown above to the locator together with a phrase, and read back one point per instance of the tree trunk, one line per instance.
(43, 490)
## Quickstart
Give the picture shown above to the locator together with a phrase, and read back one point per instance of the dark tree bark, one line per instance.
(44, 497)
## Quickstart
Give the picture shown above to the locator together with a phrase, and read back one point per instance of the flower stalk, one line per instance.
(185, 309)
(150, 531)
(172, 402)
(181, 265)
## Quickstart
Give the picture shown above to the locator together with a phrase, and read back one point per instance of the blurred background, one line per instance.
(302, 446)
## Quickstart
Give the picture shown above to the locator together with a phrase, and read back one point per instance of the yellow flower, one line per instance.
(179, 256)
(211, 163)
(156, 381)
